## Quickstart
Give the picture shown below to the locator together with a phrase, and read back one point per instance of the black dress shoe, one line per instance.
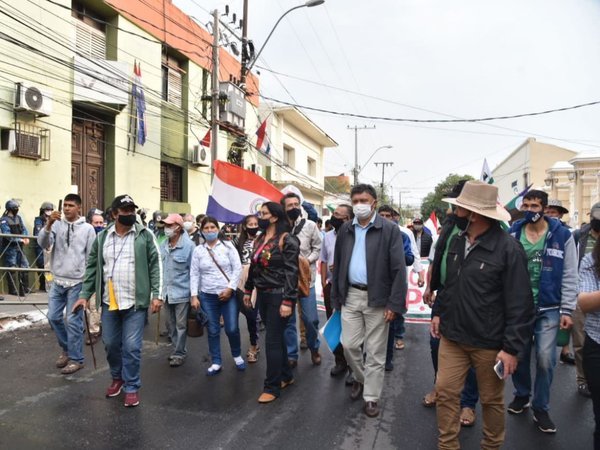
(371, 409)
(357, 390)
(292, 363)
(338, 369)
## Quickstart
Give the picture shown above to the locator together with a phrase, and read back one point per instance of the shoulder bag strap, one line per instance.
(210, 252)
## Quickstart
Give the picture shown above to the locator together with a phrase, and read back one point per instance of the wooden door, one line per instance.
(87, 163)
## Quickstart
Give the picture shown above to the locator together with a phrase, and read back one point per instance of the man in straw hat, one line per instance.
(483, 316)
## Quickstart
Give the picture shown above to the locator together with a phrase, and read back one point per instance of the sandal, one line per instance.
(252, 356)
(399, 345)
(467, 417)
(430, 399)
(71, 368)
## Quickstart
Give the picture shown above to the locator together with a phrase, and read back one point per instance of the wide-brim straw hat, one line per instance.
(481, 198)
(558, 205)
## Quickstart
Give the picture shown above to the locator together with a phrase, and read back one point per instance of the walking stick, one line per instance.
(87, 327)
(157, 327)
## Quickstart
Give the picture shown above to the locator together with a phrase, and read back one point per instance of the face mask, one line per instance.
(212, 236)
(187, 226)
(48, 213)
(417, 227)
(362, 210)
(336, 223)
(170, 232)
(294, 213)
(595, 224)
(263, 224)
(252, 231)
(127, 220)
(532, 217)
(98, 229)
(462, 222)
(15, 211)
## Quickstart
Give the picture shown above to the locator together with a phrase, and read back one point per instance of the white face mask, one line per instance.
(48, 212)
(187, 226)
(362, 210)
(170, 232)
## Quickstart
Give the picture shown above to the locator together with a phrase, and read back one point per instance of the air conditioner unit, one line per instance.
(20, 144)
(32, 99)
(200, 156)
(257, 169)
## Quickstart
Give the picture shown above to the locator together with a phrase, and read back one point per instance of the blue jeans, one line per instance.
(70, 337)
(399, 328)
(214, 309)
(545, 333)
(122, 333)
(310, 317)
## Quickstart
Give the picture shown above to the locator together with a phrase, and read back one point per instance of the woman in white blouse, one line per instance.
(214, 275)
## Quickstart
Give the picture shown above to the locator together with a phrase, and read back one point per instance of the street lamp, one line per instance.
(370, 158)
(308, 4)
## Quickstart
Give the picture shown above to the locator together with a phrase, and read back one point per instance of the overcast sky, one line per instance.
(463, 58)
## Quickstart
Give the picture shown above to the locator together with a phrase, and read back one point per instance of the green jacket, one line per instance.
(148, 268)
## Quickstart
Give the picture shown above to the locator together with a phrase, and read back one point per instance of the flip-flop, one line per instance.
(212, 372)
(467, 417)
(430, 399)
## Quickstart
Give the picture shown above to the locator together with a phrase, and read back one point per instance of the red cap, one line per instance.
(172, 219)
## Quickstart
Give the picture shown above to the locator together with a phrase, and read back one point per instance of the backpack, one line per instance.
(304, 274)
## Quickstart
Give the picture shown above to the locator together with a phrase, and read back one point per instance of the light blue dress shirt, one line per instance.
(357, 270)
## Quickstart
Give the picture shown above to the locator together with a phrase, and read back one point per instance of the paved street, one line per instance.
(39, 408)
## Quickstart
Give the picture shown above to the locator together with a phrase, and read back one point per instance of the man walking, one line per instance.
(176, 253)
(71, 240)
(483, 315)
(422, 237)
(341, 215)
(552, 264)
(369, 285)
(124, 271)
(310, 248)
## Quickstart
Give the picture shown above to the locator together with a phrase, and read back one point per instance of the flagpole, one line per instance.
(214, 108)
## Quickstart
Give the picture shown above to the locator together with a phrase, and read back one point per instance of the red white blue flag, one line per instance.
(237, 192)
(262, 143)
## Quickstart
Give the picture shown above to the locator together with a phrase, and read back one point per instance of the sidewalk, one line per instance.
(18, 312)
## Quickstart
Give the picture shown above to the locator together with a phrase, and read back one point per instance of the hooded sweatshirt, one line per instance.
(71, 244)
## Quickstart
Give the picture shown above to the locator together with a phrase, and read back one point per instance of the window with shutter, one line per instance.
(174, 87)
(171, 182)
(89, 41)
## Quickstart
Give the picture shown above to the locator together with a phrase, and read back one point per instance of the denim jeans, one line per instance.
(470, 393)
(122, 333)
(545, 333)
(310, 317)
(214, 309)
(177, 315)
(591, 368)
(278, 369)
(399, 328)
(70, 337)
(251, 315)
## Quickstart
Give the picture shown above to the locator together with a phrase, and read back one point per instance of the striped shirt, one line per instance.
(589, 282)
(119, 264)
(206, 277)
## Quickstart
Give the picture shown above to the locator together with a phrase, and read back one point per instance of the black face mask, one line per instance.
(263, 224)
(252, 231)
(461, 222)
(336, 223)
(294, 213)
(595, 224)
(127, 220)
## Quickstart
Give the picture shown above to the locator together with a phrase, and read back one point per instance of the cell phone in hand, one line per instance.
(60, 205)
(499, 369)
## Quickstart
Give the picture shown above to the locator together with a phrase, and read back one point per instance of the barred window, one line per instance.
(171, 182)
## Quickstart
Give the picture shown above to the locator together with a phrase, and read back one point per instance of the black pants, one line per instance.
(251, 315)
(591, 368)
(277, 360)
(340, 359)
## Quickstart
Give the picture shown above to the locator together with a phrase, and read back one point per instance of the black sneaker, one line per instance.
(544, 422)
(584, 390)
(567, 358)
(519, 405)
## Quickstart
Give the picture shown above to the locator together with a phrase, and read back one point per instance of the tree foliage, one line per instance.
(433, 200)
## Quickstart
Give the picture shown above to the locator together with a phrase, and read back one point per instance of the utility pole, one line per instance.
(244, 62)
(383, 166)
(356, 130)
(214, 108)
(400, 192)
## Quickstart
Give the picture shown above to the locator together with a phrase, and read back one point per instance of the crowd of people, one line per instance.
(496, 292)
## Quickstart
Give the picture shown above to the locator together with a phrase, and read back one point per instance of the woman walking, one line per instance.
(274, 274)
(215, 273)
(245, 244)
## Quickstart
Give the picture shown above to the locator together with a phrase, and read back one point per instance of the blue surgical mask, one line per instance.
(210, 237)
(98, 229)
(533, 216)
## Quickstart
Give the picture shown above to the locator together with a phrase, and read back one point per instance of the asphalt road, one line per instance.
(181, 407)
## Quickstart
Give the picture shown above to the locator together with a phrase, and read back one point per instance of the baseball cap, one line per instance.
(595, 212)
(173, 219)
(123, 201)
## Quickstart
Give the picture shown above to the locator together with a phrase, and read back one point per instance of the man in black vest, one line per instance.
(12, 223)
